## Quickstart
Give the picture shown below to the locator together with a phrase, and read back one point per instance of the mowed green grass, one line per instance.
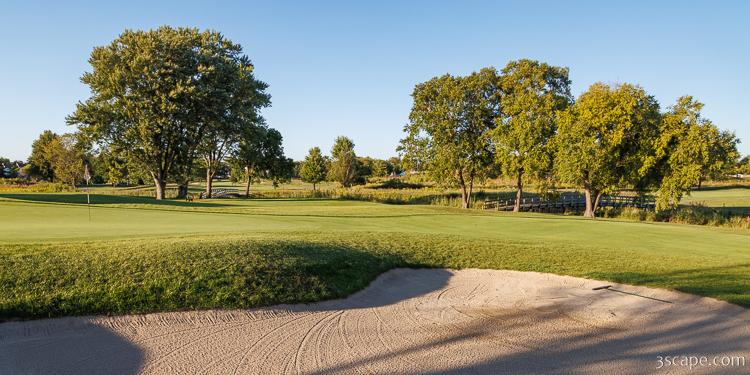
(140, 255)
(731, 198)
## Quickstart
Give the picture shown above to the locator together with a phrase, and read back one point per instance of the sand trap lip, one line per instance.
(427, 321)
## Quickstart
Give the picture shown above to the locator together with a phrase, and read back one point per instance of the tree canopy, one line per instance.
(260, 154)
(66, 159)
(604, 139)
(157, 93)
(533, 93)
(40, 161)
(344, 167)
(449, 127)
(689, 148)
(314, 168)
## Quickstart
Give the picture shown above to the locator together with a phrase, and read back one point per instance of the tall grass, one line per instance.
(22, 186)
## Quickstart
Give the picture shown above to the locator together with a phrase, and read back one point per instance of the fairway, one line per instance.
(140, 255)
(730, 198)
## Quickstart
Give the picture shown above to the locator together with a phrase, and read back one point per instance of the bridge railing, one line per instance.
(220, 193)
(567, 202)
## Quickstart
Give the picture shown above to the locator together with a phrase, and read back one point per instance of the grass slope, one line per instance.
(139, 255)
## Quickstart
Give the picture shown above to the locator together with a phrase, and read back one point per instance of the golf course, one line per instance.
(122, 255)
(374, 188)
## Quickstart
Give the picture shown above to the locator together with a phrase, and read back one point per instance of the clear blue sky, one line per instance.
(347, 68)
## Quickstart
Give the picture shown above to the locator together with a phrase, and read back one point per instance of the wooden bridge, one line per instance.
(567, 203)
(221, 193)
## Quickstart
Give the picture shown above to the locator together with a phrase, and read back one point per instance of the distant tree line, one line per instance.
(523, 122)
(255, 156)
(344, 166)
(57, 158)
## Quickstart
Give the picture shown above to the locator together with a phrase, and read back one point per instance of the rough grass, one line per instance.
(138, 255)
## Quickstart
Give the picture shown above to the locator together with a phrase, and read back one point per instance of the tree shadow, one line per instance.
(392, 287)
(122, 202)
(98, 199)
(724, 187)
(66, 346)
(733, 210)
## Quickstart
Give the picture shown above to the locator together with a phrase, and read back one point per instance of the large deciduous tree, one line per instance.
(314, 168)
(344, 167)
(238, 102)
(156, 93)
(604, 140)
(448, 134)
(260, 154)
(533, 93)
(689, 149)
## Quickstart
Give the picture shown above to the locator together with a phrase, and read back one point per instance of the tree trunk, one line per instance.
(313, 187)
(597, 201)
(247, 184)
(464, 195)
(159, 184)
(182, 190)
(592, 201)
(209, 182)
(700, 182)
(519, 191)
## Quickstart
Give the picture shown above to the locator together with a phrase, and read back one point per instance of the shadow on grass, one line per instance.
(79, 198)
(733, 210)
(195, 207)
(723, 187)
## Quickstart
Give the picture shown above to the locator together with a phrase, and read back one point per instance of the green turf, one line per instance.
(734, 199)
(138, 255)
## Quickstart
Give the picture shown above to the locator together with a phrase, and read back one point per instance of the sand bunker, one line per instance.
(406, 322)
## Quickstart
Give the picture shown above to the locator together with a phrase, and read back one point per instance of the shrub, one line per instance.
(696, 214)
(738, 222)
(39, 187)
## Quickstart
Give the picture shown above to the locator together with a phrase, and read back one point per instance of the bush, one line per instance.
(13, 182)
(738, 222)
(627, 213)
(23, 186)
(696, 214)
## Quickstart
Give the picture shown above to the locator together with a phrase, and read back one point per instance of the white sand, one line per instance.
(406, 322)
